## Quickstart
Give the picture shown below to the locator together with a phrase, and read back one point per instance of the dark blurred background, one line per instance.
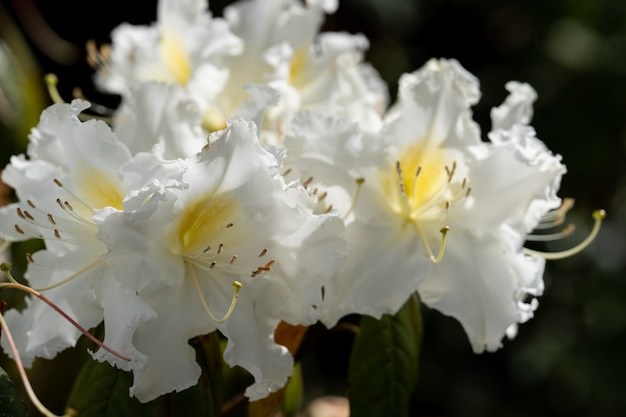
(570, 359)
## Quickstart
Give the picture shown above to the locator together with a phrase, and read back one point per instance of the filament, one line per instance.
(4, 267)
(236, 284)
(598, 216)
(359, 185)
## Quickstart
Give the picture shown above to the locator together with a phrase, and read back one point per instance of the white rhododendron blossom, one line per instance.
(427, 180)
(71, 172)
(271, 43)
(237, 251)
(185, 45)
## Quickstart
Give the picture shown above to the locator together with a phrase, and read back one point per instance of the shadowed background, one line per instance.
(568, 360)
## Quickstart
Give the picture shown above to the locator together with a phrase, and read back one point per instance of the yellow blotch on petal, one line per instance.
(100, 190)
(175, 58)
(204, 220)
(298, 63)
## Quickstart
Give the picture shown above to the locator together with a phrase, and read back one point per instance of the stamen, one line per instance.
(6, 268)
(307, 182)
(229, 225)
(60, 185)
(233, 259)
(329, 209)
(263, 252)
(322, 196)
(220, 248)
(287, 172)
(598, 216)
(212, 265)
(359, 184)
(51, 219)
(236, 284)
(51, 81)
(20, 213)
(30, 203)
(28, 216)
(57, 234)
(552, 236)
(19, 230)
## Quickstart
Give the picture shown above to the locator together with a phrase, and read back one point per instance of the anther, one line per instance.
(598, 216)
(322, 196)
(263, 252)
(29, 216)
(229, 225)
(212, 265)
(29, 258)
(60, 203)
(51, 219)
(21, 213)
(19, 230)
(233, 259)
(287, 172)
(30, 203)
(208, 248)
(58, 183)
(57, 234)
(329, 209)
(467, 193)
(220, 248)
(307, 182)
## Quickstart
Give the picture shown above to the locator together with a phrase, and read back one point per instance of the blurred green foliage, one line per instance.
(568, 360)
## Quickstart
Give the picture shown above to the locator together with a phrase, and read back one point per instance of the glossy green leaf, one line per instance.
(384, 363)
(11, 402)
(102, 391)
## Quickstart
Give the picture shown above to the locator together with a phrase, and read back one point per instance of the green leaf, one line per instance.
(384, 363)
(203, 399)
(101, 390)
(11, 402)
(294, 393)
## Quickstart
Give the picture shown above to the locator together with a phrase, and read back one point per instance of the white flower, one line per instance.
(429, 172)
(73, 170)
(184, 44)
(269, 43)
(237, 224)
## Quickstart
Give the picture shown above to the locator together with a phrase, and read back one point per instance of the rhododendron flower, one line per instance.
(237, 250)
(269, 43)
(71, 172)
(425, 183)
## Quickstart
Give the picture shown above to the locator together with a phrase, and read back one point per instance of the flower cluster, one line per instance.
(254, 174)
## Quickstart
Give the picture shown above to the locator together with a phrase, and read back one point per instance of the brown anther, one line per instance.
(418, 171)
(233, 259)
(447, 205)
(322, 196)
(307, 182)
(60, 203)
(270, 263)
(57, 234)
(328, 209)
(220, 248)
(19, 230)
(314, 191)
(69, 206)
(77, 92)
(29, 258)
(263, 252)
(464, 183)
(29, 216)
(51, 219)
(469, 189)
(30, 203)
(229, 225)
(208, 248)
(21, 213)
(58, 183)
(212, 265)
(287, 172)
